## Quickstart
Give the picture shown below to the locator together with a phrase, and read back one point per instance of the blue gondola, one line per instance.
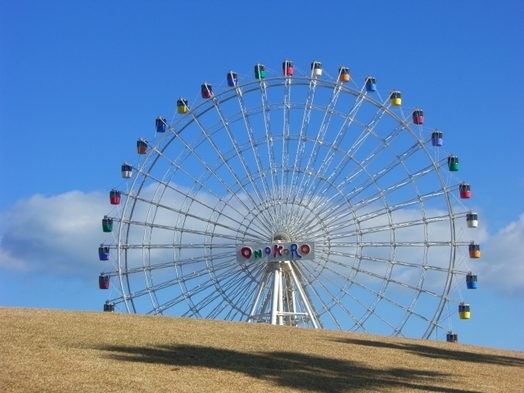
(160, 124)
(452, 337)
(471, 281)
(371, 84)
(437, 138)
(103, 253)
(232, 79)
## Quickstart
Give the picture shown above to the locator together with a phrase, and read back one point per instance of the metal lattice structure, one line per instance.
(281, 162)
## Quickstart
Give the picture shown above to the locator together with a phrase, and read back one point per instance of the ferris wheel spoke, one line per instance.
(315, 283)
(239, 153)
(301, 141)
(186, 214)
(333, 146)
(219, 293)
(222, 161)
(269, 137)
(348, 233)
(317, 142)
(379, 296)
(200, 182)
(237, 290)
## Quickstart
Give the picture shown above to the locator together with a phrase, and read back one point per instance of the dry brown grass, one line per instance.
(61, 351)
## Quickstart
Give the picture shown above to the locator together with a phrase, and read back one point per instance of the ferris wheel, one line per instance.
(292, 198)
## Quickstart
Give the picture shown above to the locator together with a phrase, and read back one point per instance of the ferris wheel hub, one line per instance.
(281, 237)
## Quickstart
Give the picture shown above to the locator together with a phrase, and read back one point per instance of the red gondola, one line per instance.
(465, 190)
(287, 68)
(207, 90)
(103, 281)
(114, 197)
(418, 116)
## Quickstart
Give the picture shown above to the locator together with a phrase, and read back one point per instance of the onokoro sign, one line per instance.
(275, 252)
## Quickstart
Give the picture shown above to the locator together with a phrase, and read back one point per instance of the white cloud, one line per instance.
(59, 235)
(501, 265)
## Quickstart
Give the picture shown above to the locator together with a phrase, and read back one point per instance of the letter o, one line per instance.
(246, 252)
(305, 249)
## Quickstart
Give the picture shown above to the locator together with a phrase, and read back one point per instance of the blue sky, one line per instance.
(80, 81)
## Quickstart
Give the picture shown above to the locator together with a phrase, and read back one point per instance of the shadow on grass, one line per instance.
(454, 353)
(291, 370)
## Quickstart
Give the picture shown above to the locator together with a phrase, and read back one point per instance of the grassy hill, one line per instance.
(63, 351)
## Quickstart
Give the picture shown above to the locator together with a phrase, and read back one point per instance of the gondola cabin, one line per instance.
(141, 146)
(316, 69)
(418, 116)
(260, 71)
(395, 98)
(343, 74)
(103, 281)
(114, 197)
(371, 84)
(103, 253)
(464, 311)
(437, 138)
(107, 224)
(452, 337)
(472, 220)
(232, 79)
(471, 281)
(182, 106)
(160, 124)
(206, 90)
(287, 68)
(474, 250)
(453, 163)
(127, 170)
(465, 190)
(109, 307)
